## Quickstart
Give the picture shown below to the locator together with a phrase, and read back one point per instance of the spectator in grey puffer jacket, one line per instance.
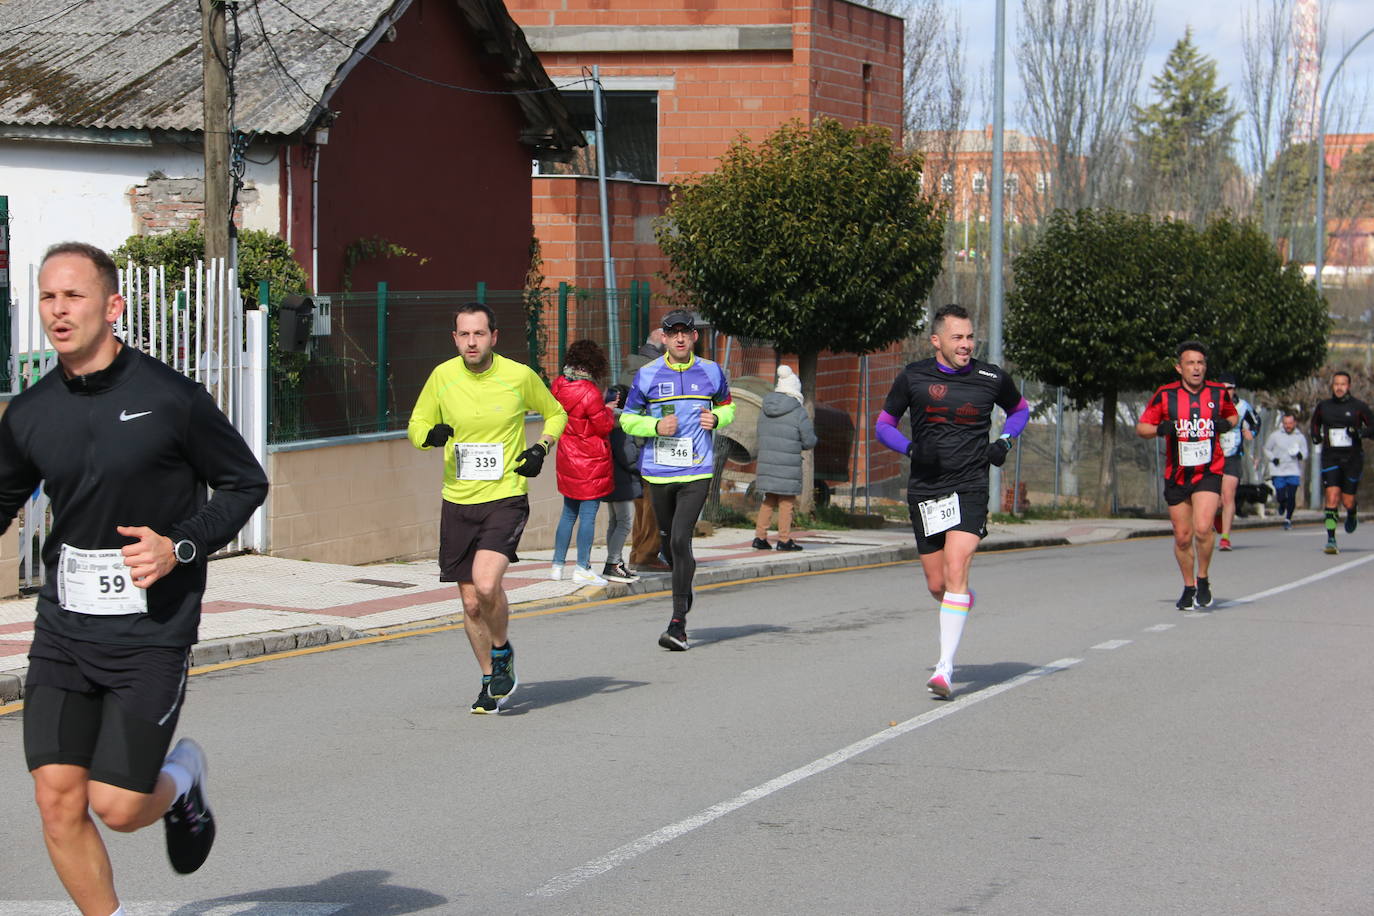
(785, 431)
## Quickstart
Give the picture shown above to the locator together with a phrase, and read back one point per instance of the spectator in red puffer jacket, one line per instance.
(583, 456)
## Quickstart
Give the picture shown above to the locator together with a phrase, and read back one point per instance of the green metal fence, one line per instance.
(364, 374)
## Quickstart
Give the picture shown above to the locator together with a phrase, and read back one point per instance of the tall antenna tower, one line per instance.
(1307, 67)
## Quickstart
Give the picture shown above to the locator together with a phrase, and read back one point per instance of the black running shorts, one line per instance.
(1178, 493)
(1343, 471)
(466, 529)
(1232, 467)
(110, 709)
(973, 518)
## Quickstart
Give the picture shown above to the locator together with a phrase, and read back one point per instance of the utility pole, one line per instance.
(214, 44)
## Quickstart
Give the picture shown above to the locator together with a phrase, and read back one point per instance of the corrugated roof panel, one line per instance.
(118, 64)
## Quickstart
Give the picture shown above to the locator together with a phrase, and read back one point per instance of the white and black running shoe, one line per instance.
(189, 825)
(1187, 602)
(674, 638)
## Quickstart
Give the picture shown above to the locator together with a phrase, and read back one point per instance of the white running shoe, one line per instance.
(939, 684)
(583, 575)
(556, 572)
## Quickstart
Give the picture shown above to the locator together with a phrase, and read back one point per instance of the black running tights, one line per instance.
(677, 507)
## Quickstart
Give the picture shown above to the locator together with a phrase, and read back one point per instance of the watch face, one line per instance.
(185, 551)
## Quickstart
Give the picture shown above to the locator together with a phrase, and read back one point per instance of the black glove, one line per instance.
(1167, 428)
(439, 435)
(531, 461)
(998, 451)
(1223, 425)
(1276, 462)
(1296, 454)
(924, 455)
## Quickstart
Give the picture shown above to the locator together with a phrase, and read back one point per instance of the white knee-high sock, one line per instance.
(119, 912)
(953, 612)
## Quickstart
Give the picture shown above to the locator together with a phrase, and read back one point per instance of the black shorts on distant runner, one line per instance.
(1177, 493)
(1343, 471)
(1232, 467)
(466, 529)
(110, 709)
(973, 518)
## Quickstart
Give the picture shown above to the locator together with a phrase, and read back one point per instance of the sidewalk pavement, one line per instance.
(256, 605)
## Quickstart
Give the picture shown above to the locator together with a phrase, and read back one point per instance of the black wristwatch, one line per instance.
(185, 551)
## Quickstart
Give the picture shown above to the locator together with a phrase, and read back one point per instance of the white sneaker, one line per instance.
(583, 575)
(556, 571)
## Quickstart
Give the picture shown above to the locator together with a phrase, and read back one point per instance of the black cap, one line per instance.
(679, 317)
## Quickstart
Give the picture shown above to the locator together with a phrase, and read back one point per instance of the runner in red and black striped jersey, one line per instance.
(1190, 415)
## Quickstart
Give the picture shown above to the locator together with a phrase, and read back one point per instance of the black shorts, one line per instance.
(464, 530)
(1232, 467)
(110, 709)
(1178, 493)
(973, 518)
(1343, 471)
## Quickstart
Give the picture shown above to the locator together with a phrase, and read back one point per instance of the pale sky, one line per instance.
(1217, 32)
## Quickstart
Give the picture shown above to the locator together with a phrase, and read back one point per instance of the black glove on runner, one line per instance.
(1167, 428)
(1276, 462)
(923, 455)
(998, 451)
(531, 461)
(439, 435)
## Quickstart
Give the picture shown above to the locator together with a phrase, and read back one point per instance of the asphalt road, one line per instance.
(1104, 754)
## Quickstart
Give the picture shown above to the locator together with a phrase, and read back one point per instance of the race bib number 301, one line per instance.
(478, 460)
(97, 582)
(939, 515)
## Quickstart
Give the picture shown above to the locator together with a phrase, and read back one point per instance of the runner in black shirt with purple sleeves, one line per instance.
(950, 398)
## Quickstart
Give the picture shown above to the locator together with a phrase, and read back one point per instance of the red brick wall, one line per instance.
(567, 221)
(437, 171)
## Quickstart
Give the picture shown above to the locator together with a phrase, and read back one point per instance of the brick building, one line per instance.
(681, 81)
(962, 167)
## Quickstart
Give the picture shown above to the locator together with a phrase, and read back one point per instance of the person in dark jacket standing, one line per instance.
(125, 448)
(628, 487)
(583, 457)
(785, 431)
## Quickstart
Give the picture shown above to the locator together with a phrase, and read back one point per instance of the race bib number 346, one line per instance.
(673, 451)
(97, 582)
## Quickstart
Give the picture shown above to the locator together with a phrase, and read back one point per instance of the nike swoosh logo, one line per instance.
(125, 416)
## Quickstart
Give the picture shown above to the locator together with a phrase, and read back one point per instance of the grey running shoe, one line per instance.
(484, 704)
(1331, 545)
(189, 825)
(503, 680)
(675, 637)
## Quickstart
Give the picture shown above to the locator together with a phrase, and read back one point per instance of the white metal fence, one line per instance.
(199, 327)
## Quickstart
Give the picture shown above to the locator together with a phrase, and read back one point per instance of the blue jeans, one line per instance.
(583, 513)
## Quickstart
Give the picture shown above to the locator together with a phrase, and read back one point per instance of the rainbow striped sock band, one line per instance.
(955, 603)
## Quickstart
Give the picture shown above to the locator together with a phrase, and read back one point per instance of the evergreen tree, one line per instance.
(1184, 138)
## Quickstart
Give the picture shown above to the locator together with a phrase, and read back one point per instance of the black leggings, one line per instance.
(1287, 497)
(677, 506)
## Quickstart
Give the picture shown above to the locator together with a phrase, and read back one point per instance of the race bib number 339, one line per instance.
(478, 460)
(97, 582)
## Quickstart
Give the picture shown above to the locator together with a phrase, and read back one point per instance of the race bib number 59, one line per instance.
(97, 582)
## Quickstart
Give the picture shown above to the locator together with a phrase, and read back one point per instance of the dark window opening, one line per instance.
(631, 131)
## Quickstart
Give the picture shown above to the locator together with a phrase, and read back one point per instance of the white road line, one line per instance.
(1113, 644)
(569, 880)
(1315, 577)
(1159, 628)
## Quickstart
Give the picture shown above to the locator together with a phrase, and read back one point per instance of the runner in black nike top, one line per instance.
(125, 448)
(950, 398)
(1338, 425)
(1190, 415)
